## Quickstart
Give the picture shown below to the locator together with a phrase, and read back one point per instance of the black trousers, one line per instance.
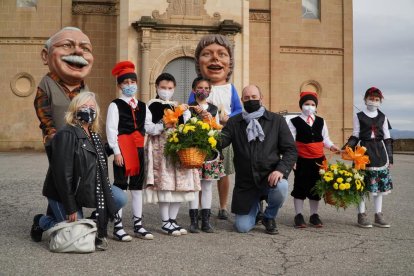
(306, 175)
(135, 182)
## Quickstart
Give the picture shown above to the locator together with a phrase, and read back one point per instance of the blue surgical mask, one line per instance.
(308, 110)
(129, 90)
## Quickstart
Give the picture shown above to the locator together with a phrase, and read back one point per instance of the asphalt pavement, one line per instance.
(339, 248)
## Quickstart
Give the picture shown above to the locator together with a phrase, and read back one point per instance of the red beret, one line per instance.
(124, 70)
(308, 95)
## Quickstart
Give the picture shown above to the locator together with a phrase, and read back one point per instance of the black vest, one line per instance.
(308, 134)
(212, 109)
(126, 120)
(157, 111)
(367, 125)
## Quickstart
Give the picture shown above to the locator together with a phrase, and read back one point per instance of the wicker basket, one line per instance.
(331, 201)
(191, 158)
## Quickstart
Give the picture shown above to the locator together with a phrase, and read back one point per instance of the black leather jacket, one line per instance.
(71, 177)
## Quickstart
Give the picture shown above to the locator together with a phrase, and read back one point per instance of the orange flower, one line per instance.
(171, 116)
(358, 157)
(213, 123)
(324, 166)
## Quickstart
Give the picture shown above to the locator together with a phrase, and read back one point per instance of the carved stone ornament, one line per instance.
(23, 84)
(186, 11)
(94, 7)
(259, 15)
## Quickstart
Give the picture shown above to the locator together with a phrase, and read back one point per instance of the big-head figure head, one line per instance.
(68, 53)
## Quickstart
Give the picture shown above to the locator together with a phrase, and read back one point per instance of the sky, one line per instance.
(384, 57)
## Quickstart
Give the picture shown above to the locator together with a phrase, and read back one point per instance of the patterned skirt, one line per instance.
(378, 181)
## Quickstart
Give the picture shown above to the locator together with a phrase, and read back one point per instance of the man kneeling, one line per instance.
(259, 138)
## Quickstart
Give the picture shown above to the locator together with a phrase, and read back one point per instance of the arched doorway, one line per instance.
(183, 70)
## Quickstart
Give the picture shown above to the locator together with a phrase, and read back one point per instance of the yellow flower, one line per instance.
(347, 186)
(212, 141)
(188, 128)
(174, 138)
(342, 186)
(340, 180)
(200, 123)
(205, 126)
(334, 167)
(335, 186)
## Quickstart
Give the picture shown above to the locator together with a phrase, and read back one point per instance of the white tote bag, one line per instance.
(75, 237)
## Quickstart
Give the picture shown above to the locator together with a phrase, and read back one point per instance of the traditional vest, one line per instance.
(59, 100)
(309, 139)
(126, 117)
(369, 125)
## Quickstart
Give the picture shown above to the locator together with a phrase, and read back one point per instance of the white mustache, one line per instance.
(75, 60)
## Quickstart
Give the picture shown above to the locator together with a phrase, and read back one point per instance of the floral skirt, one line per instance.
(212, 169)
(378, 181)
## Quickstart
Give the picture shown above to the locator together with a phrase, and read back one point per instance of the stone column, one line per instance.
(145, 51)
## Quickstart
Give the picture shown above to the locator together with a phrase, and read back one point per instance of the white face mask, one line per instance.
(371, 105)
(165, 94)
(308, 109)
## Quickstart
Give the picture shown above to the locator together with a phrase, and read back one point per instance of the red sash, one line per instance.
(128, 143)
(310, 150)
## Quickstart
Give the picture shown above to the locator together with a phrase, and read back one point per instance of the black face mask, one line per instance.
(251, 106)
(86, 115)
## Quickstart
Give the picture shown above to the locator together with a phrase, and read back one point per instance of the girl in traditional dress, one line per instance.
(168, 184)
(372, 130)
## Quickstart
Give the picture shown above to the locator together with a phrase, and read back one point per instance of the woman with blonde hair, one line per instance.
(78, 173)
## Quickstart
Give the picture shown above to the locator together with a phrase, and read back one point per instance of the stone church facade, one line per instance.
(283, 46)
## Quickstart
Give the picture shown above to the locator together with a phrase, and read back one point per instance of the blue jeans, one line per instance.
(275, 199)
(59, 214)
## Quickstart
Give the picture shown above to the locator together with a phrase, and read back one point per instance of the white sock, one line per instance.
(137, 203)
(119, 224)
(298, 205)
(313, 206)
(207, 194)
(164, 206)
(174, 208)
(378, 203)
(194, 204)
(361, 207)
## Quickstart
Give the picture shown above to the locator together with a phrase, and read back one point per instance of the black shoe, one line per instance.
(300, 221)
(36, 232)
(205, 221)
(270, 225)
(259, 217)
(101, 244)
(315, 221)
(223, 214)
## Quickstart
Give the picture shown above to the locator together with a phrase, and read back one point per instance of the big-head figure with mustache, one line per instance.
(68, 54)
(214, 60)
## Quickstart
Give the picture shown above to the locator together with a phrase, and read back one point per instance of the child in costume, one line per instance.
(311, 135)
(168, 184)
(212, 169)
(128, 120)
(372, 130)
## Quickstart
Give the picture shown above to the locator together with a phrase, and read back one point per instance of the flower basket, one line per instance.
(191, 158)
(341, 185)
(191, 143)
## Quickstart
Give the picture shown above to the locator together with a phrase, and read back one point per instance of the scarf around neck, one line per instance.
(254, 129)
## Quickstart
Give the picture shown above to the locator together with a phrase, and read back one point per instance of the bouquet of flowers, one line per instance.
(342, 185)
(192, 142)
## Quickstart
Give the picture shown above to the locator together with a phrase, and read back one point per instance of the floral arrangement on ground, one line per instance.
(341, 184)
(195, 133)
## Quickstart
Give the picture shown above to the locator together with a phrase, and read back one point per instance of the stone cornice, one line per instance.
(311, 50)
(259, 15)
(23, 40)
(80, 7)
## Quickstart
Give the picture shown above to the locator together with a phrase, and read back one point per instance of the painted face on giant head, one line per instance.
(214, 61)
(69, 56)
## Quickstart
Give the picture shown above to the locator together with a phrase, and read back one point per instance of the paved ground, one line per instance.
(340, 248)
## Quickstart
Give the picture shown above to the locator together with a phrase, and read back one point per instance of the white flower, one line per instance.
(354, 171)
(321, 171)
(193, 120)
(211, 133)
(335, 171)
(349, 179)
(180, 128)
